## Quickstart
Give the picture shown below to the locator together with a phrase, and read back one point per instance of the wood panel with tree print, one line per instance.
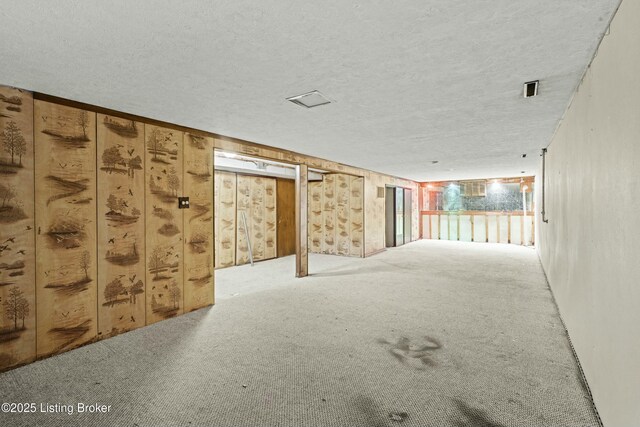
(164, 237)
(17, 247)
(121, 228)
(65, 175)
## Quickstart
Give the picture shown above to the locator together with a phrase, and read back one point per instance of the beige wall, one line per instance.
(374, 211)
(589, 247)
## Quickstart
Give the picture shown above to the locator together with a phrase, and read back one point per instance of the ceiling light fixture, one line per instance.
(309, 99)
(531, 88)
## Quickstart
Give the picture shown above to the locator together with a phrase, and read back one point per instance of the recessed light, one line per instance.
(309, 99)
(522, 171)
(433, 162)
(524, 155)
(531, 88)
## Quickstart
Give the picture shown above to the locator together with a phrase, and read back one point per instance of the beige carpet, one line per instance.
(429, 334)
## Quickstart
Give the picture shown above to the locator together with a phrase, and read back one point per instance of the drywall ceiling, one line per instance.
(411, 81)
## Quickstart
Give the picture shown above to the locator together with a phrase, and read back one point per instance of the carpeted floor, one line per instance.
(430, 334)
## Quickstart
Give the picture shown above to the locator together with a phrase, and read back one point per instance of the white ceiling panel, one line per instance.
(410, 81)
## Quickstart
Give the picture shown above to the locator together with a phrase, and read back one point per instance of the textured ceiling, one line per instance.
(412, 80)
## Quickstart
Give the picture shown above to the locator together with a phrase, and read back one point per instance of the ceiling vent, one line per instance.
(309, 99)
(531, 89)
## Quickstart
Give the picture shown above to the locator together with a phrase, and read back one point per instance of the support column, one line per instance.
(302, 256)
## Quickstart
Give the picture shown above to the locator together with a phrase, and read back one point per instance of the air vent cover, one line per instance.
(381, 192)
(531, 89)
(310, 99)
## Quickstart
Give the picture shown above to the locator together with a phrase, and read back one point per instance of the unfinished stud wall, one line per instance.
(17, 230)
(92, 241)
(336, 215)
(225, 219)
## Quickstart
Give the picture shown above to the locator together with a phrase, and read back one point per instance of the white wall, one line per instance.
(590, 249)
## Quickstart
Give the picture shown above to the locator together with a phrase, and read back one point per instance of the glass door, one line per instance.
(407, 215)
(399, 214)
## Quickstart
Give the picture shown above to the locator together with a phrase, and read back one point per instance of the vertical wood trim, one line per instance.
(302, 257)
(472, 227)
(420, 216)
(533, 234)
(486, 228)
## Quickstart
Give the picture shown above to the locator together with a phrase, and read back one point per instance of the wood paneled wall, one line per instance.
(17, 230)
(336, 215)
(315, 232)
(92, 243)
(65, 199)
(225, 219)
(165, 252)
(121, 225)
(198, 222)
(374, 221)
(88, 276)
(256, 199)
(375, 210)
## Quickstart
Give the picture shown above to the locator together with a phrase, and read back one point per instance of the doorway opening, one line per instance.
(397, 216)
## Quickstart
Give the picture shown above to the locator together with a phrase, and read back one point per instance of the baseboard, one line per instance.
(573, 350)
(374, 252)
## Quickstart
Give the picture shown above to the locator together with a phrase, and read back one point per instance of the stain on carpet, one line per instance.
(413, 354)
(470, 416)
(398, 416)
(367, 407)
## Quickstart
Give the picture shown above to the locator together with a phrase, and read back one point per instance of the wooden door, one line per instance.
(286, 229)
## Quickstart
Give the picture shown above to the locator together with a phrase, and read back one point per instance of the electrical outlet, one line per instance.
(183, 203)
